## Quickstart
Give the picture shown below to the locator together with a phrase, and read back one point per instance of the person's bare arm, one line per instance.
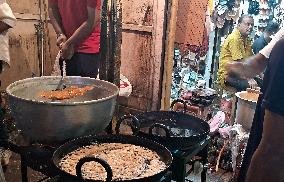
(86, 28)
(82, 32)
(55, 18)
(267, 162)
(249, 68)
(254, 65)
(56, 22)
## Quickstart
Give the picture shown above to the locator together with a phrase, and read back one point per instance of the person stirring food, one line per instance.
(77, 25)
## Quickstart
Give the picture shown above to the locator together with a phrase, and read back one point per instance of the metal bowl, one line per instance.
(44, 120)
(245, 111)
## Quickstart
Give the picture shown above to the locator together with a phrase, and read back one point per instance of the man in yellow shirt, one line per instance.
(236, 47)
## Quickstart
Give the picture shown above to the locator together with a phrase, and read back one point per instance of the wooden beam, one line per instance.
(158, 51)
(104, 41)
(118, 41)
(25, 16)
(139, 28)
(169, 56)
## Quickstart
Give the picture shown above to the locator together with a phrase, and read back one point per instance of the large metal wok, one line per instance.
(164, 153)
(174, 130)
(44, 120)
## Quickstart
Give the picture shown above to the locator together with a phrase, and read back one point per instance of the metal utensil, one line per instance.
(61, 84)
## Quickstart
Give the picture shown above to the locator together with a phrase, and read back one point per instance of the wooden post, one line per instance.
(118, 42)
(104, 41)
(115, 40)
(169, 55)
(212, 70)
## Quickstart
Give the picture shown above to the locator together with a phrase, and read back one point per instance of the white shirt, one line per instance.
(279, 35)
(6, 16)
(267, 49)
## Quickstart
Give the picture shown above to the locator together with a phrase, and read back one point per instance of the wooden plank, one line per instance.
(137, 12)
(29, 7)
(136, 61)
(168, 64)
(25, 16)
(142, 49)
(137, 55)
(139, 28)
(158, 52)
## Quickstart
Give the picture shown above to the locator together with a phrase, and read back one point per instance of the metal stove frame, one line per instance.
(184, 157)
(40, 159)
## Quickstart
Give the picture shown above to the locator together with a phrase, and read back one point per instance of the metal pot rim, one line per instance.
(238, 95)
(8, 90)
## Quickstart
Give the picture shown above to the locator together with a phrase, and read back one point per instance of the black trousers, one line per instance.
(254, 139)
(83, 64)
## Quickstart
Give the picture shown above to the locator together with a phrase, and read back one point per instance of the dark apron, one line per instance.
(254, 139)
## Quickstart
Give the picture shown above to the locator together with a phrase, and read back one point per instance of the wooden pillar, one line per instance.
(212, 70)
(115, 42)
(114, 47)
(169, 55)
(111, 33)
(104, 41)
(118, 43)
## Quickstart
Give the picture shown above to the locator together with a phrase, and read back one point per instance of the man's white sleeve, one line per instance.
(267, 49)
(6, 14)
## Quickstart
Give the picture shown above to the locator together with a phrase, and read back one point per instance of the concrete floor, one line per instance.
(13, 172)
(221, 176)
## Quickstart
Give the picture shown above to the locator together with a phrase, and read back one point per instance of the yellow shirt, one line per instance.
(234, 48)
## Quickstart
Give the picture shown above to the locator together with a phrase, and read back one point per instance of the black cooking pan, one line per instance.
(174, 130)
(68, 147)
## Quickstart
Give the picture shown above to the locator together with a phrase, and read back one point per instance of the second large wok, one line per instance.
(68, 147)
(175, 130)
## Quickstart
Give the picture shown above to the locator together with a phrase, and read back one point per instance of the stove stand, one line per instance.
(166, 178)
(182, 158)
(39, 158)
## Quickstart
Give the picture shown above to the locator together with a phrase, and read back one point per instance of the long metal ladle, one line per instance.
(61, 85)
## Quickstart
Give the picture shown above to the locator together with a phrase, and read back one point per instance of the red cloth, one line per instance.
(73, 14)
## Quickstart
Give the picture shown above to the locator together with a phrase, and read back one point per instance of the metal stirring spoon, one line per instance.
(61, 84)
